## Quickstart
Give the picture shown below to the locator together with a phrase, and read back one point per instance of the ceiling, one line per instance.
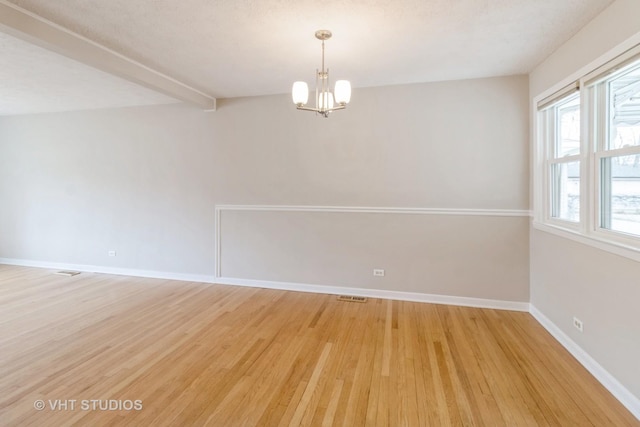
(34, 80)
(233, 48)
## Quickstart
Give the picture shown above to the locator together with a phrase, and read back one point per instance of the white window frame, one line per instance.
(598, 122)
(549, 134)
(588, 230)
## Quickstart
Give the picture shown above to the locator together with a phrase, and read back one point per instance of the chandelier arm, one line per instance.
(320, 110)
(315, 110)
(340, 107)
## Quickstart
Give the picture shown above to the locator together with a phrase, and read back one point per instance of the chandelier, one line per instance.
(325, 100)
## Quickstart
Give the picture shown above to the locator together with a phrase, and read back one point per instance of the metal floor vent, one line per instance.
(67, 273)
(350, 298)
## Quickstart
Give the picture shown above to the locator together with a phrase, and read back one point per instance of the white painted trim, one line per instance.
(387, 210)
(631, 402)
(153, 274)
(218, 242)
(591, 240)
(379, 293)
(285, 286)
(34, 29)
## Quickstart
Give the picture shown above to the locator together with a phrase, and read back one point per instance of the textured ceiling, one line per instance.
(230, 48)
(35, 80)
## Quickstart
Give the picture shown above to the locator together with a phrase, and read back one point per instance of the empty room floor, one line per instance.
(96, 349)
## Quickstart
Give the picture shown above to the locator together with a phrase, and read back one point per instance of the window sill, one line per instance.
(593, 241)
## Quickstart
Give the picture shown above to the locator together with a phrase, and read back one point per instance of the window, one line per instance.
(588, 155)
(562, 129)
(617, 151)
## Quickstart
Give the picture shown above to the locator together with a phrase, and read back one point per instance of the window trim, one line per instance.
(550, 136)
(598, 229)
(550, 190)
(599, 132)
(588, 231)
(558, 95)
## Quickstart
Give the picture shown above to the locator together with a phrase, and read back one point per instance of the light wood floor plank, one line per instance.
(200, 354)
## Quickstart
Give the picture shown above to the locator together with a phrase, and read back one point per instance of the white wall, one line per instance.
(144, 182)
(136, 180)
(571, 279)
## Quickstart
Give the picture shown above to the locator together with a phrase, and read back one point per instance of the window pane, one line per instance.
(565, 191)
(620, 194)
(624, 110)
(568, 119)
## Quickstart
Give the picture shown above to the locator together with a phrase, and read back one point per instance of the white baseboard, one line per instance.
(379, 293)
(286, 286)
(631, 402)
(153, 274)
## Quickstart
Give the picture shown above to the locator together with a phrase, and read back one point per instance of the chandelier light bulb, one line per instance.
(325, 100)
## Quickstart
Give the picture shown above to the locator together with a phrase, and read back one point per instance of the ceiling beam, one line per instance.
(34, 29)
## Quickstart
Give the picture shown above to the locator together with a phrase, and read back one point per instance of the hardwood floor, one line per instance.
(198, 354)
